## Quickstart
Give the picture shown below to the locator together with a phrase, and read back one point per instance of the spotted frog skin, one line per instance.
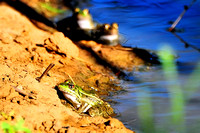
(85, 101)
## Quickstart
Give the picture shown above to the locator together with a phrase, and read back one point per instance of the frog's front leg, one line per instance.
(84, 108)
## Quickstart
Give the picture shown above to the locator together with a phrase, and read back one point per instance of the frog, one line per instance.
(107, 34)
(79, 26)
(85, 101)
(84, 19)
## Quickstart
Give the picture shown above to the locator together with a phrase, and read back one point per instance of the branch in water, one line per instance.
(172, 28)
(186, 44)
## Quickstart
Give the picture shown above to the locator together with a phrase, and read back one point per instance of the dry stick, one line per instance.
(186, 44)
(21, 91)
(171, 29)
(71, 79)
(45, 72)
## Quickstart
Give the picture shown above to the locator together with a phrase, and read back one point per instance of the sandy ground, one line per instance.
(26, 51)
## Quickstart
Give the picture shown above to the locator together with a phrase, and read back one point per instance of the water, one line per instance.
(143, 23)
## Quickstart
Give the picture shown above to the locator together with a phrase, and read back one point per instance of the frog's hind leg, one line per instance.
(84, 108)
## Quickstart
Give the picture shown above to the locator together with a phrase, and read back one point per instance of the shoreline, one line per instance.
(25, 53)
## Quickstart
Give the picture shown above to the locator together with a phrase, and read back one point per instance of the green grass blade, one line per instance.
(145, 113)
(176, 93)
(7, 128)
(19, 126)
(52, 9)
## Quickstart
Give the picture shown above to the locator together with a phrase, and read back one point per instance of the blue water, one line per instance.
(143, 24)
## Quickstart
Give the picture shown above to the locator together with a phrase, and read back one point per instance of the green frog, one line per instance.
(83, 19)
(107, 34)
(85, 101)
(79, 26)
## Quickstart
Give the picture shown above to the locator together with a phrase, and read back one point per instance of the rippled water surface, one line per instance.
(143, 23)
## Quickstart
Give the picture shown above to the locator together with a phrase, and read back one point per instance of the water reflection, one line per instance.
(143, 23)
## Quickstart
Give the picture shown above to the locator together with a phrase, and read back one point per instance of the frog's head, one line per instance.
(111, 29)
(108, 34)
(68, 88)
(69, 91)
(82, 13)
(84, 18)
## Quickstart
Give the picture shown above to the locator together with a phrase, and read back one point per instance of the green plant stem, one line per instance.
(17, 127)
(50, 8)
(176, 93)
(145, 113)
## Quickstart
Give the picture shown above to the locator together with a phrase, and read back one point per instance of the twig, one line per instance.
(21, 91)
(71, 79)
(171, 29)
(45, 72)
(186, 44)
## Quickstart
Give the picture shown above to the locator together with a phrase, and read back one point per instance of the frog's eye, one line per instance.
(77, 10)
(85, 12)
(107, 26)
(71, 86)
(115, 25)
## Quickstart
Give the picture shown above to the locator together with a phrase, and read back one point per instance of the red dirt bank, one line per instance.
(25, 53)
